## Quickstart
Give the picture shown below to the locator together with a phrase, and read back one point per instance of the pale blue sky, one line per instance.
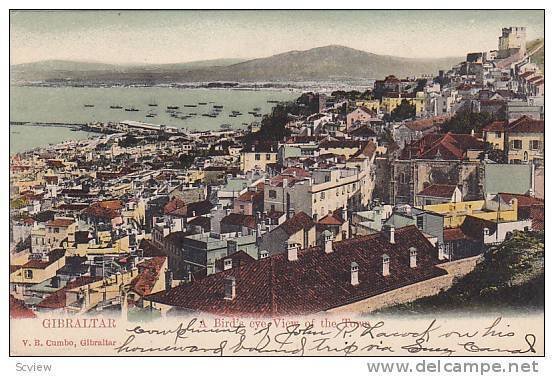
(180, 36)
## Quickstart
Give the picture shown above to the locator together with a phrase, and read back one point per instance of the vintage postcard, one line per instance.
(277, 183)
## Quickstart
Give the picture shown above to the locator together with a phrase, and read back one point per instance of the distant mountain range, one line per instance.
(329, 63)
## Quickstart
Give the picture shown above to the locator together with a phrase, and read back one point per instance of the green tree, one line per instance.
(405, 110)
(465, 121)
(493, 154)
(186, 160)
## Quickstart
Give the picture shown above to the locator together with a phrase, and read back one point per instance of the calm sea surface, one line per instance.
(67, 105)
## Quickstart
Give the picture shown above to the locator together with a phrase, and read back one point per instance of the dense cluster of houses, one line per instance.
(352, 211)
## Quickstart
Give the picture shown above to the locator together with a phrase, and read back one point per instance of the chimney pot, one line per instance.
(230, 288)
(413, 257)
(328, 242)
(227, 264)
(354, 274)
(292, 251)
(386, 262)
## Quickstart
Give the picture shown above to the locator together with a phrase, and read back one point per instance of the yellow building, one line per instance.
(37, 270)
(524, 140)
(392, 100)
(258, 157)
(370, 104)
(455, 213)
(494, 134)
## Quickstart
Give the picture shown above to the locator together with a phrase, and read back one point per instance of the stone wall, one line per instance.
(456, 269)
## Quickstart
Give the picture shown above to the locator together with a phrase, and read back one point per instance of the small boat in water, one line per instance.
(202, 103)
(116, 107)
(189, 105)
(89, 105)
(225, 126)
(152, 104)
(131, 109)
(218, 106)
(256, 109)
(172, 107)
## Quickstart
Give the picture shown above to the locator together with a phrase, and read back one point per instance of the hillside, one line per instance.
(317, 64)
(538, 57)
(511, 276)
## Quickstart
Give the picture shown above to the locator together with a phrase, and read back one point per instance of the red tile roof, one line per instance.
(104, 209)
(149, 249)
(473, 227)
(438, 190)
(364, 131)
(331, 219)
(316, 282)
(149, 273)
(235, 219)
(525, 124)
(175, 207)
(239, 258)
(300, 221)
(199, 208)
(18, 309)
(495, 126)
(522, 200)
(58, 298)
(53, 256)
(451, 234)
(424, 124)
(449, 146)
(60, 222)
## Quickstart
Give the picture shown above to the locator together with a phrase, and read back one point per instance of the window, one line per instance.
(322, 195)
(28, 274)
(516, 144)
(534, 144)
(419, 222)
(56, 230)
(498, 134)
(257, 157)
(268, 157)
(272, 194)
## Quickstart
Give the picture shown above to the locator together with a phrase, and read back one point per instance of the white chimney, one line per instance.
(292, 251)
(440, 247)
(354, 274)
(413, 257)
(264, 254)
(486, 231)
(328, 241)
(386, 262)
(230, 285)
(227, 264)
